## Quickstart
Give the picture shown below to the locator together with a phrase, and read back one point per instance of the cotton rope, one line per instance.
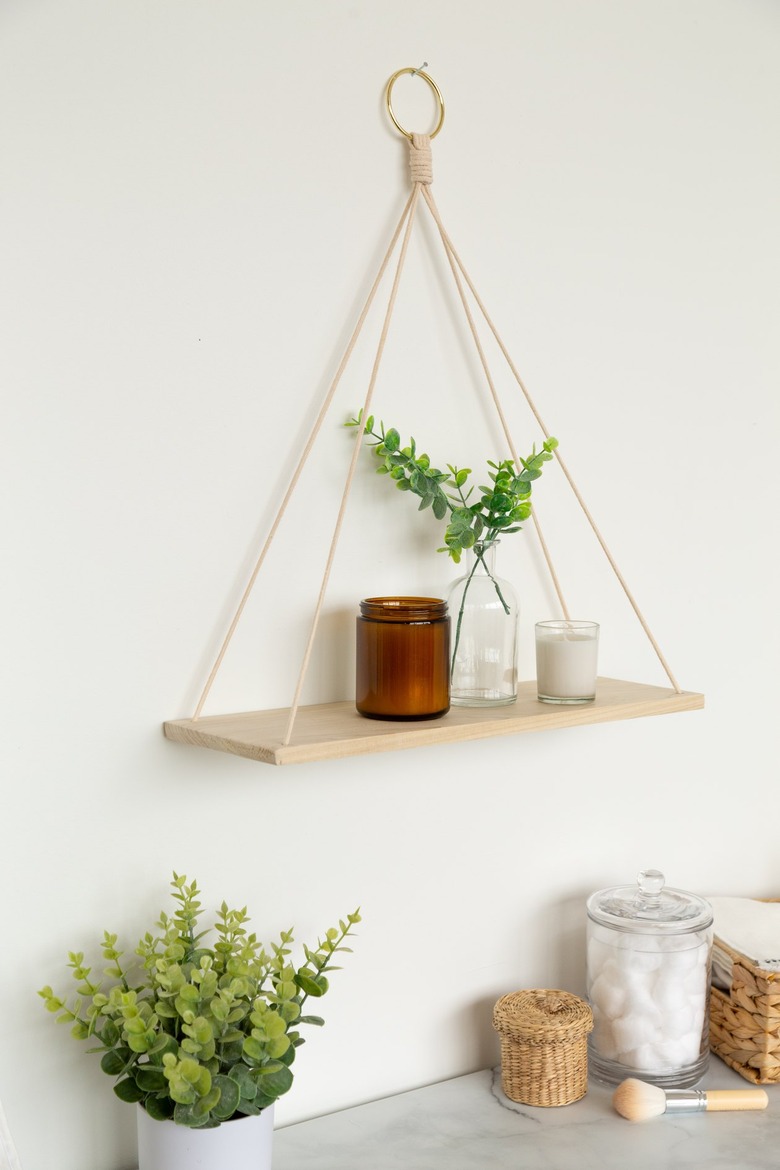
(494, 393)
(421, 173)
(353, 461)
(306, 452)
(546, 433)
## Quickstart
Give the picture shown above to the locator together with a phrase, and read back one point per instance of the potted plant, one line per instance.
(483, 652)
(198, 1032)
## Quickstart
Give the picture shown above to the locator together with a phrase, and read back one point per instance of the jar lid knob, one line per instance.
(650, 882)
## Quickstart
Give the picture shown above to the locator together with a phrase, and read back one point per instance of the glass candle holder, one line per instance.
(566, 661)
(402, 661)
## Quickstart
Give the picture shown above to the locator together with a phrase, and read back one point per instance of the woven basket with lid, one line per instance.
(544, 1046)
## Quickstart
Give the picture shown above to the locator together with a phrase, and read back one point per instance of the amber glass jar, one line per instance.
(403, 658)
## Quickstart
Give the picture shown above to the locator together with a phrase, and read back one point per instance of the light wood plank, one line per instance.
(329, 731)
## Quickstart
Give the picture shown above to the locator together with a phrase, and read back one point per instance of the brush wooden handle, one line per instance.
(728, 1099)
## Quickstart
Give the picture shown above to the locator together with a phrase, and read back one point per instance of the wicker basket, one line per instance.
(544, 1046)
(745, 1023)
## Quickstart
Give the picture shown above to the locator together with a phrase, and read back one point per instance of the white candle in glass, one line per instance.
(566, 661)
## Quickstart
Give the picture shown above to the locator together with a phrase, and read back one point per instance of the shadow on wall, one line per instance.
(478, 1023)
(331, 674)
(566, 929)
(561, 936)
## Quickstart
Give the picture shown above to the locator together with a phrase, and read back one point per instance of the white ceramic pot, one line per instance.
(243, 1144)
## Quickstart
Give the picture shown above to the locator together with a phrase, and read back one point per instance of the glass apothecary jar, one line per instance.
(403, 655)
(648, 982)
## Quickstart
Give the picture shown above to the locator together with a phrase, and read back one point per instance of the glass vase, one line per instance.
(484, 612)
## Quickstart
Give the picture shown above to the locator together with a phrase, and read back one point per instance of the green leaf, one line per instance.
(187, 1115)
(254, 1051)
(229, 1097)
(109, 1034)
(127, 1090)
(159, 1108)
(113, 1063)
(307, 982)
(247, 1086)
(392, 440)
(249, 1109)
(277, 1083)
(418, 482)
(151, 1079)
(440, 506)
(317, 1021)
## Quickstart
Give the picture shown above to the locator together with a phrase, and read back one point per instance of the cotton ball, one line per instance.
(677, 1023)
(671, 1054)
(698, 1008)
(698, 1000)
(695, 982)
(631, 1032)
(599, 953)
(681, 960)
(608, 995)
(690, 1047)
(641, 961)
(644, 1058)
(639, 999)
(669, 993)
(606, 968)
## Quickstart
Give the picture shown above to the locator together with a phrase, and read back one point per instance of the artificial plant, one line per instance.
(194, 1031)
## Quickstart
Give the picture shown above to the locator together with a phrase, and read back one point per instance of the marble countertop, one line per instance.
(468, 1124)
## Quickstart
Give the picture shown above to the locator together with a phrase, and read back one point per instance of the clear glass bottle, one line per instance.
(649, 954)
(484, 611)
(403, 658)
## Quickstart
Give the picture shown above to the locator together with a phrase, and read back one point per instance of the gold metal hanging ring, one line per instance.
(437, 95)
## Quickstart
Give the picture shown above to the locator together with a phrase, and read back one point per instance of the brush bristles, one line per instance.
(639, 1101)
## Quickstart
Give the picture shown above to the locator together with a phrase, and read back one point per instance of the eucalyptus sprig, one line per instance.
(195, 1032)
(498, 510)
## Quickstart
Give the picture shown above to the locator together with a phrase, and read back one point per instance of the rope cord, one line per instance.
(353, 461)
(564, 468)
(494, 393)
(421, 172)
(306, 452)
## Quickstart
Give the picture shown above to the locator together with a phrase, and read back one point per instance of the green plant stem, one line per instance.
(478, 556)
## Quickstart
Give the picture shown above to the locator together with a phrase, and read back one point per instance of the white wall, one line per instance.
(195, 196)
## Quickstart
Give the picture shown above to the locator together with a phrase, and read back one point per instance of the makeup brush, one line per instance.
(639, 1101)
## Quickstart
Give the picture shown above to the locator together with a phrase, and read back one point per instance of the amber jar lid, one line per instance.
(403, 609)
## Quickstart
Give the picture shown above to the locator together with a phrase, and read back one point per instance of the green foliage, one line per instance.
(193, 1032)
(497, 511)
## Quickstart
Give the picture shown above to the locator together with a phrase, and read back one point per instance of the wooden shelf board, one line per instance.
(330, 731)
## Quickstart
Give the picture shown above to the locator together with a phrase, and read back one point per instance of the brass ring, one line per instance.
(436, 91)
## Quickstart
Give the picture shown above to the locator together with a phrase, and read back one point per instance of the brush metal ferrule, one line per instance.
(686, 1101)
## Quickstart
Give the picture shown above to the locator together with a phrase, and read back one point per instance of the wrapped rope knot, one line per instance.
(420, 159)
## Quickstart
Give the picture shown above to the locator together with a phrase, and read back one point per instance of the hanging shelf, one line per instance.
(329, 731)
(333, 730)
